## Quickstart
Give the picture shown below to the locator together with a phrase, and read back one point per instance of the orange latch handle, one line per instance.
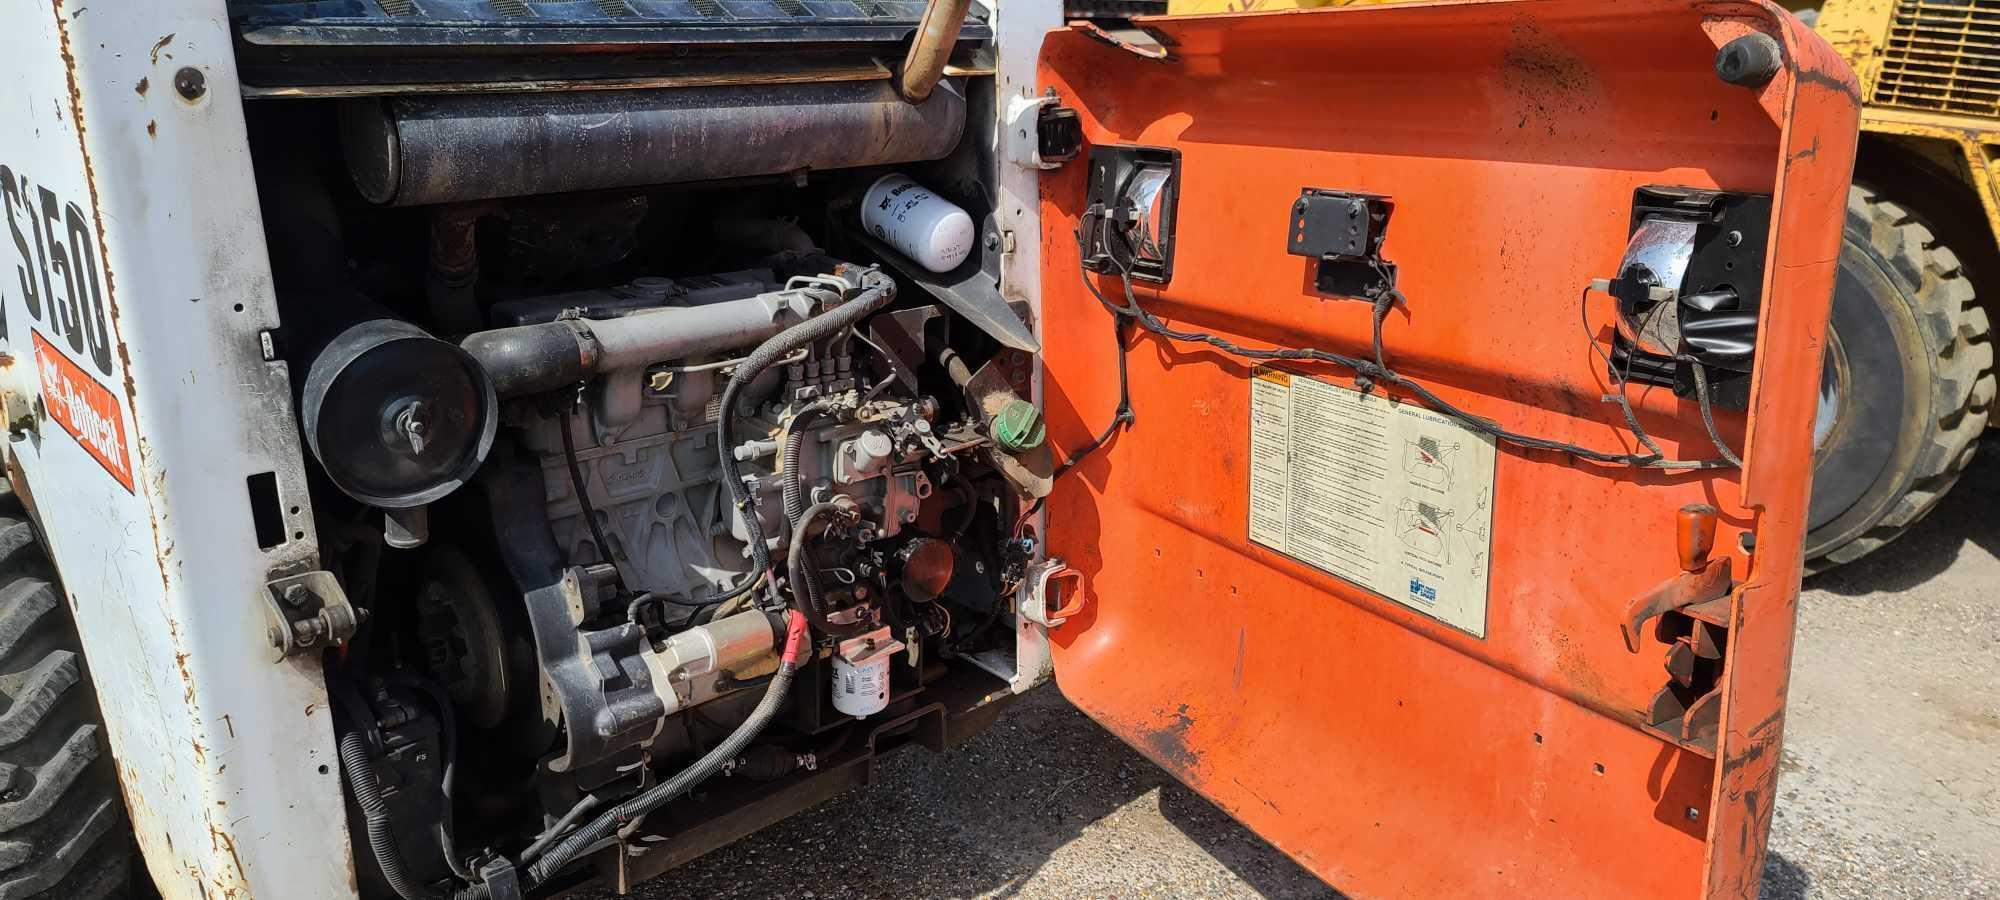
(1695, 532)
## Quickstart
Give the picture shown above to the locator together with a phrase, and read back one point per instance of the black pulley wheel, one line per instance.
(397, 417)
(1907, 386)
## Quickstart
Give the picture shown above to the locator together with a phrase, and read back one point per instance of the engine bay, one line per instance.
(643, 466)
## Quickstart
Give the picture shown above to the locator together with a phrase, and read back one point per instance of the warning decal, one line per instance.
(1390, 496)
(84, 409)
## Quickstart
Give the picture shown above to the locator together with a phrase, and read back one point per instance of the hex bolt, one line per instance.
(276, 636)
(296, 595)
(190, 83)
(1693, 814)
(1733, 238)
(1749, 61)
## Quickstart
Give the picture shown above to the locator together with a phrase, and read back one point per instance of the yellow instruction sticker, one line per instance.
(1390, 496)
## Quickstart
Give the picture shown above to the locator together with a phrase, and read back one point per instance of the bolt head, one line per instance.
(296, 595)
(190, 83)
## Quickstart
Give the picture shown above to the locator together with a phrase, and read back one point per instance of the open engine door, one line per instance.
(1391, 643)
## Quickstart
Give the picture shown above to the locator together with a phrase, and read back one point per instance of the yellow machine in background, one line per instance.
(1909, 380)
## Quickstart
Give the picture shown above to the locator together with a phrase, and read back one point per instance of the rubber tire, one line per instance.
(63, 828)
(1917, 354)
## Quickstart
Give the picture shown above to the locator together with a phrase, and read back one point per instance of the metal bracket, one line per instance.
(1684, 590)
(1052, 579)
(1342, 232)
(1693, 609)
(306, 613)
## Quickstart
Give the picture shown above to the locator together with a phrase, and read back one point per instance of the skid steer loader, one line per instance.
(475, 448)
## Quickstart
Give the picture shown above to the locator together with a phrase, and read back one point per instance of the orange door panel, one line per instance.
(1511, 744)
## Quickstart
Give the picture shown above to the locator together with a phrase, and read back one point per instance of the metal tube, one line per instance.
(530, 359)
(449, 148)
(937, 34)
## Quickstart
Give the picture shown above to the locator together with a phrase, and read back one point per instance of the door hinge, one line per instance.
(306, 613)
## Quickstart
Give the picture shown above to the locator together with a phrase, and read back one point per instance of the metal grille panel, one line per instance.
(1943, 56)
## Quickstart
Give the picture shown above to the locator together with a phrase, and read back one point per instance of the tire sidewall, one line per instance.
(1892, 380)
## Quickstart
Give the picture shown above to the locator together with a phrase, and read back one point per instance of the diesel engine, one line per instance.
(671, 437)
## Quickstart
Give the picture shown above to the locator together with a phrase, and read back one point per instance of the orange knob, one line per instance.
(1695, 535)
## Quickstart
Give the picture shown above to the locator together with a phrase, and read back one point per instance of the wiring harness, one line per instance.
(1368, 373)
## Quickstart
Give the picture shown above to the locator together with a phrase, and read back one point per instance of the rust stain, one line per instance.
(152, 128)
(1168, 745)
(222, 842)
(200, 752)
(187, 678)
(104, 247)
(140, 88)
(227, 723)
(310, 707)
(157, 45)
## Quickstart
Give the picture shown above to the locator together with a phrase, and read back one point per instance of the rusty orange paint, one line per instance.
(1388, 753)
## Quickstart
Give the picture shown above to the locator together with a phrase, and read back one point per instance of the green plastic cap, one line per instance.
(1018, 427)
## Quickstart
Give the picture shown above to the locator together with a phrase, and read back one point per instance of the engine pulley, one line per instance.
(398, 418)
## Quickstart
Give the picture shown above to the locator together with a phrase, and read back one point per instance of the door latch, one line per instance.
(308, 612)
(1041, 132)
(1054, 594)
(1693, 609)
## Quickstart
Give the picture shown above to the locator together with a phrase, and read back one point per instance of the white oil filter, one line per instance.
(924, 226)
(861, 673)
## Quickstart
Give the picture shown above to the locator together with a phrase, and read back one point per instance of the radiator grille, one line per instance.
(1943, 55)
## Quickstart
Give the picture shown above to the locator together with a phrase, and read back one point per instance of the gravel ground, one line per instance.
(1890, 784)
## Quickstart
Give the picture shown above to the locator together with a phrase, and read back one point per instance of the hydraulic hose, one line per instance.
(805, 579)
(367, 790)
(608, 822)
(877, 291)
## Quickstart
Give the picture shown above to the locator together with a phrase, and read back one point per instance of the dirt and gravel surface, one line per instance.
(1890, 784)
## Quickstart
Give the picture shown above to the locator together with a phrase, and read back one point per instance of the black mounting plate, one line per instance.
(1342, 232)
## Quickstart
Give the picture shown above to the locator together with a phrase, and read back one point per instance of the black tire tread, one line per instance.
(63, 830)
(1956, 331)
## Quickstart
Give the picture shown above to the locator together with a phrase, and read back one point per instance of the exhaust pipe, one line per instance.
(458, 147)
(937, 34)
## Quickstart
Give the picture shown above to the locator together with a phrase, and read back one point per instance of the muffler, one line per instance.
(455, 147)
